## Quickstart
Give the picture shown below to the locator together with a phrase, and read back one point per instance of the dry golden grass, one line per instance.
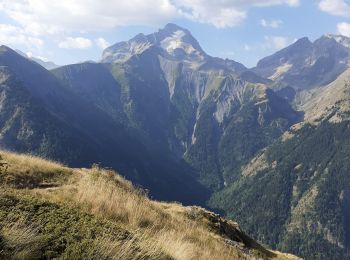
(26, 171)
(159, 229)
(107, 194)
(29, 162)
(22, 239)
(109, 248)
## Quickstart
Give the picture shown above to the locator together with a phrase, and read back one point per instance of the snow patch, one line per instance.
(343, 40)
(175, 41)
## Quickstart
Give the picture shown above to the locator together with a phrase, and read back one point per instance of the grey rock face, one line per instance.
(305, 65)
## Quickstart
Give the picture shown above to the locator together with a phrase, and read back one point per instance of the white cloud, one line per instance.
(75, 43)
(344, 29)
(275, 42)
(217, 16)
(31, 55)
(13, 35)
(224, 13)
(271, 23)
(50, 17)
(43, 16)
(41, 58)
(36, 19)
(247, 47)
(335, 7)
(102, 43)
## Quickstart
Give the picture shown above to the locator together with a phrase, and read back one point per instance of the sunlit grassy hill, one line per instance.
(50, 211)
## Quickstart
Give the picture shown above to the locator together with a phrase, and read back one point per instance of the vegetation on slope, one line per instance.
(255, 118)
(41, 115)
(183, 112)
(50, 211)
(298, 197)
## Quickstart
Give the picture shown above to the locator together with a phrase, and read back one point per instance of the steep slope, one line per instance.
(41, 116)
(31, 90)
(300, 188)
(204, 101)
(94, 83)
(27, 124)
(173, 44)
(232, 128)
(304, 64)
(329, 102)
(51, 211)
(300, 184)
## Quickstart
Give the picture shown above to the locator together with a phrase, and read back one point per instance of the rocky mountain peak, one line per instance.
(303, 42)
(173, 37)
(343, 40)
(172, 40)
(122, 51)
(169, 29)
(280, 62)
(173, 27)
(301, 64)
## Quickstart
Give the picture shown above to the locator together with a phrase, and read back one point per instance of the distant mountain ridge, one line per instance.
(49, 65)
(172, 43)
(304, 64)
(172, 39)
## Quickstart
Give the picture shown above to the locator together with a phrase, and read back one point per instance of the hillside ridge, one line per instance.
(50, 211)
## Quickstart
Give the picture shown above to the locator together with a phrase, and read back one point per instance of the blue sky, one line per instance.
(244, 30)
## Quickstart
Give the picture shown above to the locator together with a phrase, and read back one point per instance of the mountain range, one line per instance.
(266, 146)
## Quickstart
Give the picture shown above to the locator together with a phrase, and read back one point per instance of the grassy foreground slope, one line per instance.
(50, 211)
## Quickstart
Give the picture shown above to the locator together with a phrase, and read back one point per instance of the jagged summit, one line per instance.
(176, 35)
(306, 64)
(169, 29)
(172, 45)
(299, 47)
(124, 50)
(172, 40)
(302, 42)
(342, 39)
(173, 27)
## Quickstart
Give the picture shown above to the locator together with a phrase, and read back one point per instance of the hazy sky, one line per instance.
(70, 31)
